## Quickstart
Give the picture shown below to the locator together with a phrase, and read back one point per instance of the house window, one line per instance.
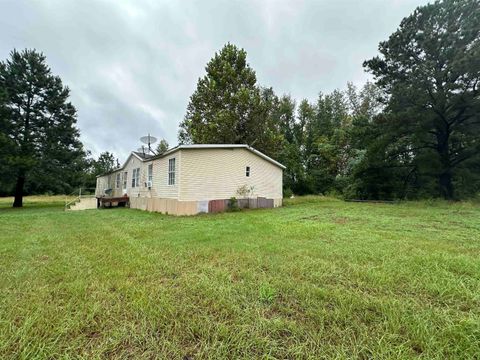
(247, 171)
(125, 176)
(148, 183)
(150, 172)
(136, 178)
(117, 181)
(171, 171)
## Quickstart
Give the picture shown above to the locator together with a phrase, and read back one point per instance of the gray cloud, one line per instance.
(132, 65)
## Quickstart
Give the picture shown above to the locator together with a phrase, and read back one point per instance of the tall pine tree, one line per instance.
(39, 137)
(430, 69)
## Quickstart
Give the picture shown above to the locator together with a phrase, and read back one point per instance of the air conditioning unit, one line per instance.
(149, 184)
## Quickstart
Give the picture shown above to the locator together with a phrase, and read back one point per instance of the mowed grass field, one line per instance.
(318, 278)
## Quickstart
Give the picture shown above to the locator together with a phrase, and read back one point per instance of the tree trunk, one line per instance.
(445, 175)
(446, 185)
(18, 202)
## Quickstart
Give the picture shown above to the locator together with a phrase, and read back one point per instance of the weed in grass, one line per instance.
(267, 294)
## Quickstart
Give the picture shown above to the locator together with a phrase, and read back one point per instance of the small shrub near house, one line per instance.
(233, 204)
(287, 193)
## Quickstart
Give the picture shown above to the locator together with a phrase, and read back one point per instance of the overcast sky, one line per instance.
(132, 65)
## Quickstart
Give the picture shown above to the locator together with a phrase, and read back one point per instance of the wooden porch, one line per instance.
(108, 202)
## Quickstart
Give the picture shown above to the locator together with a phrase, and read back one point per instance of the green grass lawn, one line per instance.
(318, 278)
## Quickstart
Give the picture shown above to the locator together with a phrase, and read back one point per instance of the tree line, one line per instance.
(413, 132)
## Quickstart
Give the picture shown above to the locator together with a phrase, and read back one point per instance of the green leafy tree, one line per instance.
(104, 164)
(366, 102)
(162, 146)
(38, 126)
(295, 176)
(430, 70)
(326, 140)
(367, 175)
(229, 107)
(264, 129)
(373, 174)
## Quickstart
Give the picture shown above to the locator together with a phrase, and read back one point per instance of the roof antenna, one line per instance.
(141, 150)
(149, 140)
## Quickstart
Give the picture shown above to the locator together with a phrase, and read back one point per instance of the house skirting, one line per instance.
(177, 207)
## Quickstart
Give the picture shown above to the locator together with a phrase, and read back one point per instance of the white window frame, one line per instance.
(136, 178)
(150, 173)
(171, 171)
(247, 171)
(125, 179)
(117, 181)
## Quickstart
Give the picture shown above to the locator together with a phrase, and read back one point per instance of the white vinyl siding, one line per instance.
(198, 175)
(102, 184)
(209, 174)
(160, 187)
(126, 175)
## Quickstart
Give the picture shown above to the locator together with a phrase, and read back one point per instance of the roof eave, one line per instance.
(268, 158)
(199, 146)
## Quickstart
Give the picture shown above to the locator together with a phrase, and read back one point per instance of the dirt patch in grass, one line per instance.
(340, 220)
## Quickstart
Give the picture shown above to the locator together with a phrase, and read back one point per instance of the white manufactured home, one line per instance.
(190, 179)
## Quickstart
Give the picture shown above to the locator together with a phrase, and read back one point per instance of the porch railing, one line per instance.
(77, 195)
